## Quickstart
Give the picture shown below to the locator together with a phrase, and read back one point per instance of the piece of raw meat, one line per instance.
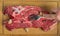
(26, 17)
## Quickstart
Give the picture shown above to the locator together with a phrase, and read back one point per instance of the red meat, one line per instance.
(21, 18)
(18, 24)
(44, 23)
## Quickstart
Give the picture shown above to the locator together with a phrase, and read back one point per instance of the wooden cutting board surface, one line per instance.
(32, 31)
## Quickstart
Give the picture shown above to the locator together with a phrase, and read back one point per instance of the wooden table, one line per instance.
(32, 31)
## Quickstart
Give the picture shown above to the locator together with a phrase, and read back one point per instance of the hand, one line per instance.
(57, 11)
(58, 15)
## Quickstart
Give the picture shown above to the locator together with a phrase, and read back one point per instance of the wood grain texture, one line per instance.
(32, 0)
(32, 31)
(0, 16)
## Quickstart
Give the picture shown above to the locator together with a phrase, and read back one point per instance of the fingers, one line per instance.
(54, 10)
(58, 15)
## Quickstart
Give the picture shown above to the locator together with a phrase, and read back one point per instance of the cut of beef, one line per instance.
(26, 17)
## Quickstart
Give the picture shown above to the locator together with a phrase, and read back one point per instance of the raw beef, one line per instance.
(26, 17)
